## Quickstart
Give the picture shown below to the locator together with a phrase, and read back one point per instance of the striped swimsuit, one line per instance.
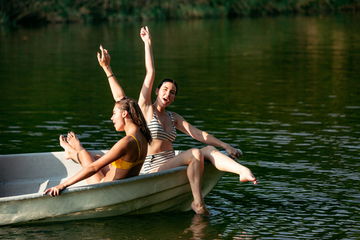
(154, 161)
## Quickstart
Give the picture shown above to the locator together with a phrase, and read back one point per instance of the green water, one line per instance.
(284, 90)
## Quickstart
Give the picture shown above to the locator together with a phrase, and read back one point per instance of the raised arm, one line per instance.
(104, 61)
(202, 136)
(145, 94)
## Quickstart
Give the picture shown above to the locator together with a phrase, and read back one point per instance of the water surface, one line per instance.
(285, 90)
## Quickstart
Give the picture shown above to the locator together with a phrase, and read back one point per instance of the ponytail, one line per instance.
(131, 106)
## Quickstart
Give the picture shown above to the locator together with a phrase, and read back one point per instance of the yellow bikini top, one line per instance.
(121, 164)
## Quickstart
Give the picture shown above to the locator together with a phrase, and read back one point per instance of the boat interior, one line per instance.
(34, 172)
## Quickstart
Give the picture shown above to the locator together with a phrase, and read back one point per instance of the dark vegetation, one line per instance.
(20, 12)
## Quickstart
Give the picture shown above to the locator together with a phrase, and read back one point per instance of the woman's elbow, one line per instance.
(206, 135)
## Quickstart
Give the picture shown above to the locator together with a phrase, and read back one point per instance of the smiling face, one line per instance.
(166, 94)
(118, 118)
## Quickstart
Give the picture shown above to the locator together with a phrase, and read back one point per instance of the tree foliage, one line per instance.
(54, 11)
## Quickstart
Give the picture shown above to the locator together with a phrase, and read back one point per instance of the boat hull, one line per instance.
(165, 191)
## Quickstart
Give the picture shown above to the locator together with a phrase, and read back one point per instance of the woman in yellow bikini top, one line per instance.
(124, 159)
(125, 165)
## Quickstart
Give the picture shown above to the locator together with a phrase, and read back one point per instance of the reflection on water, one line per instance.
(197, 228)
(179, 225)
(284, 90)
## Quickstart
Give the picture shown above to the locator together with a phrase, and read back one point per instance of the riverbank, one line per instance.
(29, 12)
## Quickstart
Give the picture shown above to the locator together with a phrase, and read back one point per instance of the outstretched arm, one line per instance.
(104, 61)
(202, 136)
(145, 94)
(116, 152)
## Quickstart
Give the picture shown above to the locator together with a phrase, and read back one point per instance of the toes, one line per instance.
(68, 137)
(62, 138)
(71, 136)
(246, 179)
(63, 142)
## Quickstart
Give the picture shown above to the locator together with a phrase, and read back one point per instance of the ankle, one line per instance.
(200, 208)
(80, 150)
(198, 204)
(78, 155)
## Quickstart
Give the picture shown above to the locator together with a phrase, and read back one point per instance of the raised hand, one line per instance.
(145, 34)
(103, 57)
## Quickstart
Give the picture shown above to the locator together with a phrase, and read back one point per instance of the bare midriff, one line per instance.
(158, 146)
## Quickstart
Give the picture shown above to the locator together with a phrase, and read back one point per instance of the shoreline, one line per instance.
(35, 12)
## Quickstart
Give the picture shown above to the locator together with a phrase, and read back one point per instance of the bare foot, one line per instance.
(247, 176)
(70, 153)
(74, 142)
(200, 208)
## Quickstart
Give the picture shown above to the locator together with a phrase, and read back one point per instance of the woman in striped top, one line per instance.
(163, 124)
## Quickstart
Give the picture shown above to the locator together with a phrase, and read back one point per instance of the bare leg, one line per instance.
(70, 152)
(227, 164)
(195, 161)
(84, 157)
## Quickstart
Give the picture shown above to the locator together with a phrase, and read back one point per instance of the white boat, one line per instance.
(24, 177)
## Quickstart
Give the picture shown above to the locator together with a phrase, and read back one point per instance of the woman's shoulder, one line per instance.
(125, 141)
(171, 113)
(174, 115)
(129, 139)
(122, 146)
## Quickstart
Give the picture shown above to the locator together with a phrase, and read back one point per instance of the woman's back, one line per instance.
(129, 164)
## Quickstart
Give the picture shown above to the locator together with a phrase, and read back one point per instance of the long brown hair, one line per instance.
(131, 106)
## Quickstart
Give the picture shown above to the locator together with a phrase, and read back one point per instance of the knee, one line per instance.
(197, 155)
(208, 150)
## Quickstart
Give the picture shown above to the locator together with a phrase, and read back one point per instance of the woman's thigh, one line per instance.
(182, 159)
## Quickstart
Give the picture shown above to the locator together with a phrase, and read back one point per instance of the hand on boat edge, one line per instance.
(54, 191)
